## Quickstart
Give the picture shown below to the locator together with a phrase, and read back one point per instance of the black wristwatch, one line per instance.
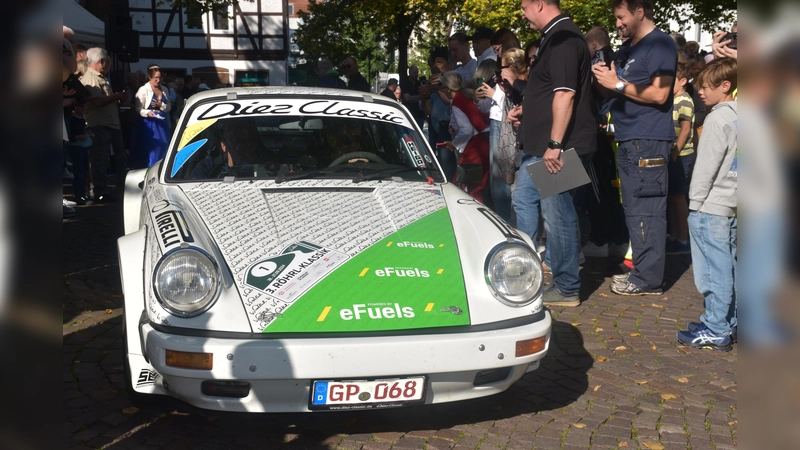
(555, 144)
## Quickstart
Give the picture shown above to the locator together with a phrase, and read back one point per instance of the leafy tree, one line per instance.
(331, 31)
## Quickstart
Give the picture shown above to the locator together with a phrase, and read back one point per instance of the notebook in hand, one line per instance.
(571, 175)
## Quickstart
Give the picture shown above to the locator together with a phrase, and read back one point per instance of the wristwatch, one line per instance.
(555, 144)
(620, 86)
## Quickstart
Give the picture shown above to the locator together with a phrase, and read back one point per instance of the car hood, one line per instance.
(336, 257)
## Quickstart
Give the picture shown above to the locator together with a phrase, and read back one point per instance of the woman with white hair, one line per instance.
(469, 128)
(153, 130)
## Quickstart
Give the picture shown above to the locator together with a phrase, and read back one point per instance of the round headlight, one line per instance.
(186, 282)
(514, 272)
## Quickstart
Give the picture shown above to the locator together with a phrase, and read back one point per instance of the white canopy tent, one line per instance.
(89, 30)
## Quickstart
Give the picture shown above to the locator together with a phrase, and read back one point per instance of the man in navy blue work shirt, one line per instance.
(557, 114)
(640, 85)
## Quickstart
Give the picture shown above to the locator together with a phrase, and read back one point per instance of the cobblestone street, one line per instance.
(614, 378)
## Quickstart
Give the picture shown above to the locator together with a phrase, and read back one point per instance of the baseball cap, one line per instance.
(203, 87)
(481, 33)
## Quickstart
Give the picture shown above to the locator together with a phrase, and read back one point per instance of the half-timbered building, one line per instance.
(245, 44)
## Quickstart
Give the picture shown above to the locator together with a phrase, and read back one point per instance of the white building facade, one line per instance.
(246, 44)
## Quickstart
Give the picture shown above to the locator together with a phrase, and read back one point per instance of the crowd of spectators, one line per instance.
(635, 116)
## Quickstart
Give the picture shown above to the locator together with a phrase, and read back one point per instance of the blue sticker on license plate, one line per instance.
(320, 393)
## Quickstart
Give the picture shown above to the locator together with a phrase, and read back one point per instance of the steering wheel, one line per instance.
(371, 157)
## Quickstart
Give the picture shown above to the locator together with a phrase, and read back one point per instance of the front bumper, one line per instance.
(280, 371)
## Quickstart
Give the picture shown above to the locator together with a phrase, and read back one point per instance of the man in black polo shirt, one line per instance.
(558, 114)
(640, 85)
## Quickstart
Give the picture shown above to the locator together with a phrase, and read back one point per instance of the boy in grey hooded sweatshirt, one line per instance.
(712, 216)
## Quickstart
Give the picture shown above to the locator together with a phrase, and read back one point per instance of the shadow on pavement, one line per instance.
(97, 411)
(90, 267)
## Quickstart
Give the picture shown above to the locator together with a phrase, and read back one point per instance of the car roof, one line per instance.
(299, 91)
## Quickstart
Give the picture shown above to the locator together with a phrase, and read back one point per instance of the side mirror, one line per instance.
(468, 174)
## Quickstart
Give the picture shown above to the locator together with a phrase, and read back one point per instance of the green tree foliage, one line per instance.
(333, 28)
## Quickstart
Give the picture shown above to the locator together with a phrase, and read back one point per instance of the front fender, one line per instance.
(132, 199)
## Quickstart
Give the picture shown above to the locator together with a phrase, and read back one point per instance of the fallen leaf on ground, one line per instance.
(596, 388)
(642, 304)
(109, 311)
(131, 410)
(604, 295)
(656, 305)
(575, 324)
(620, 348)
(654, 347)
(668, 396)
(579, 425)
(653, 445)
(635, 334)
(683, 380)
(601, 359)
(598, 329)
(641, 382)
(623, 444)
(664, 298)
(682, 346)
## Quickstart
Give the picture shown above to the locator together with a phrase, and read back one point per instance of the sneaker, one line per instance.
(71, 204)
(621, 278)
(83, 200)
(694, 326)
(554, 297)
(618, 251)
(676, 247)
(705, 338)
(593, 250)
(628, 288)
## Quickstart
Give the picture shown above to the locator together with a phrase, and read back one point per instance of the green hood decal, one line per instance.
(410, 279)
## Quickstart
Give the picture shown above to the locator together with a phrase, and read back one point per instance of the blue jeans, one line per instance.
(765, 243)
(713, 259)
(501, 191)
(644, 199)
(560, 222)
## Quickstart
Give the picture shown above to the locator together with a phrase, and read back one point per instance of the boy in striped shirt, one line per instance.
(680, 165)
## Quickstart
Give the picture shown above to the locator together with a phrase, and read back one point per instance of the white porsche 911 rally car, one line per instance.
(299, 249)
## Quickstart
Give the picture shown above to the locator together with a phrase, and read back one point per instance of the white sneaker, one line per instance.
(71, 204)
(593, 250)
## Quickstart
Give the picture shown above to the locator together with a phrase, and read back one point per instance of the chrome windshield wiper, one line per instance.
(393, 171)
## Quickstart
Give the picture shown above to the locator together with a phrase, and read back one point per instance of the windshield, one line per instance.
(290, 138)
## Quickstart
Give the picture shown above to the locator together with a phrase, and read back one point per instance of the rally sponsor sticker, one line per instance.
(289, 275)
(414, 153)
(282, 107)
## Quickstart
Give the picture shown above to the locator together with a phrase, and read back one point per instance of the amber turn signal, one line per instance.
(531, 346)
(190, 360)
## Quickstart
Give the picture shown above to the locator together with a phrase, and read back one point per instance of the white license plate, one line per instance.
(351, 394)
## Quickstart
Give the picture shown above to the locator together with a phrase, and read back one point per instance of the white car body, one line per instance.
(321, 279)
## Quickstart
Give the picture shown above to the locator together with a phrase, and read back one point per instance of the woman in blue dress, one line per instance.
(153, 129)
